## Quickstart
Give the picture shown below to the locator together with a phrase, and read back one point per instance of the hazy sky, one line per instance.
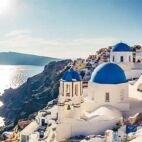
(68, 28)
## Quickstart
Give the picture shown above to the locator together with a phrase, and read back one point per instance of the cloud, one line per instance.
(17, 33)
(24, 41)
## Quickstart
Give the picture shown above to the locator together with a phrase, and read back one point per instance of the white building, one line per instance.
(136, 88)
(29, 132)
(138, 55)
(70, 97)
(105, 80)
(123, 55)
(79, 115)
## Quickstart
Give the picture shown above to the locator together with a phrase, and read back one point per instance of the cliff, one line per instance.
(34, 94)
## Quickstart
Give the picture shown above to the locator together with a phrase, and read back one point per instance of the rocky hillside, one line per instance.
(103, 54)
(34, 94)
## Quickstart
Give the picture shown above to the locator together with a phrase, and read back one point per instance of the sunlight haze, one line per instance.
(68, 28)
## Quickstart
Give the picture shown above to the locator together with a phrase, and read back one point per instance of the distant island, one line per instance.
(14, 58)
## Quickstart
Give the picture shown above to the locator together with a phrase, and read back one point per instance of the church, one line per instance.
(106, 99)
(127, 59)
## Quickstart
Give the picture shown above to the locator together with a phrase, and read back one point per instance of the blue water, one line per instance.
(15, 75)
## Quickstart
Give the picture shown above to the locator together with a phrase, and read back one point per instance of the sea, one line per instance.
(12, 76)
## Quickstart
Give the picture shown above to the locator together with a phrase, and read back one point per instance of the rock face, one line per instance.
(34, 94)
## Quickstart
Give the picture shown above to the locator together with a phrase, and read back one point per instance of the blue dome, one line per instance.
(121, 47)
(71, 75)
(108, 73)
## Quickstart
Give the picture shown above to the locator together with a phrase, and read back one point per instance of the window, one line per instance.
(43, 122)
(121, 59)
(24, 138)
(129, 58)
(122, 97)
(76, 89)
(113, 58)
(68, 90)
(68, 107)
(27, 138)
(107, 99)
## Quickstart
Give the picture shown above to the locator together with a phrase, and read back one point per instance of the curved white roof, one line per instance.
(107, 112)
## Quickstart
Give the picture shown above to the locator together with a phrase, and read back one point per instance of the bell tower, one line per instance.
(70, 95)
(121, 53)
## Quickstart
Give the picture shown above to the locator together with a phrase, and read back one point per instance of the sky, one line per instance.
(68, 28)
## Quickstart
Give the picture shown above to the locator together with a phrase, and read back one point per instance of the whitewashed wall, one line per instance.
(116, 91)
(117, 56)
(72, 127)
(132, 70)
(133, 89)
